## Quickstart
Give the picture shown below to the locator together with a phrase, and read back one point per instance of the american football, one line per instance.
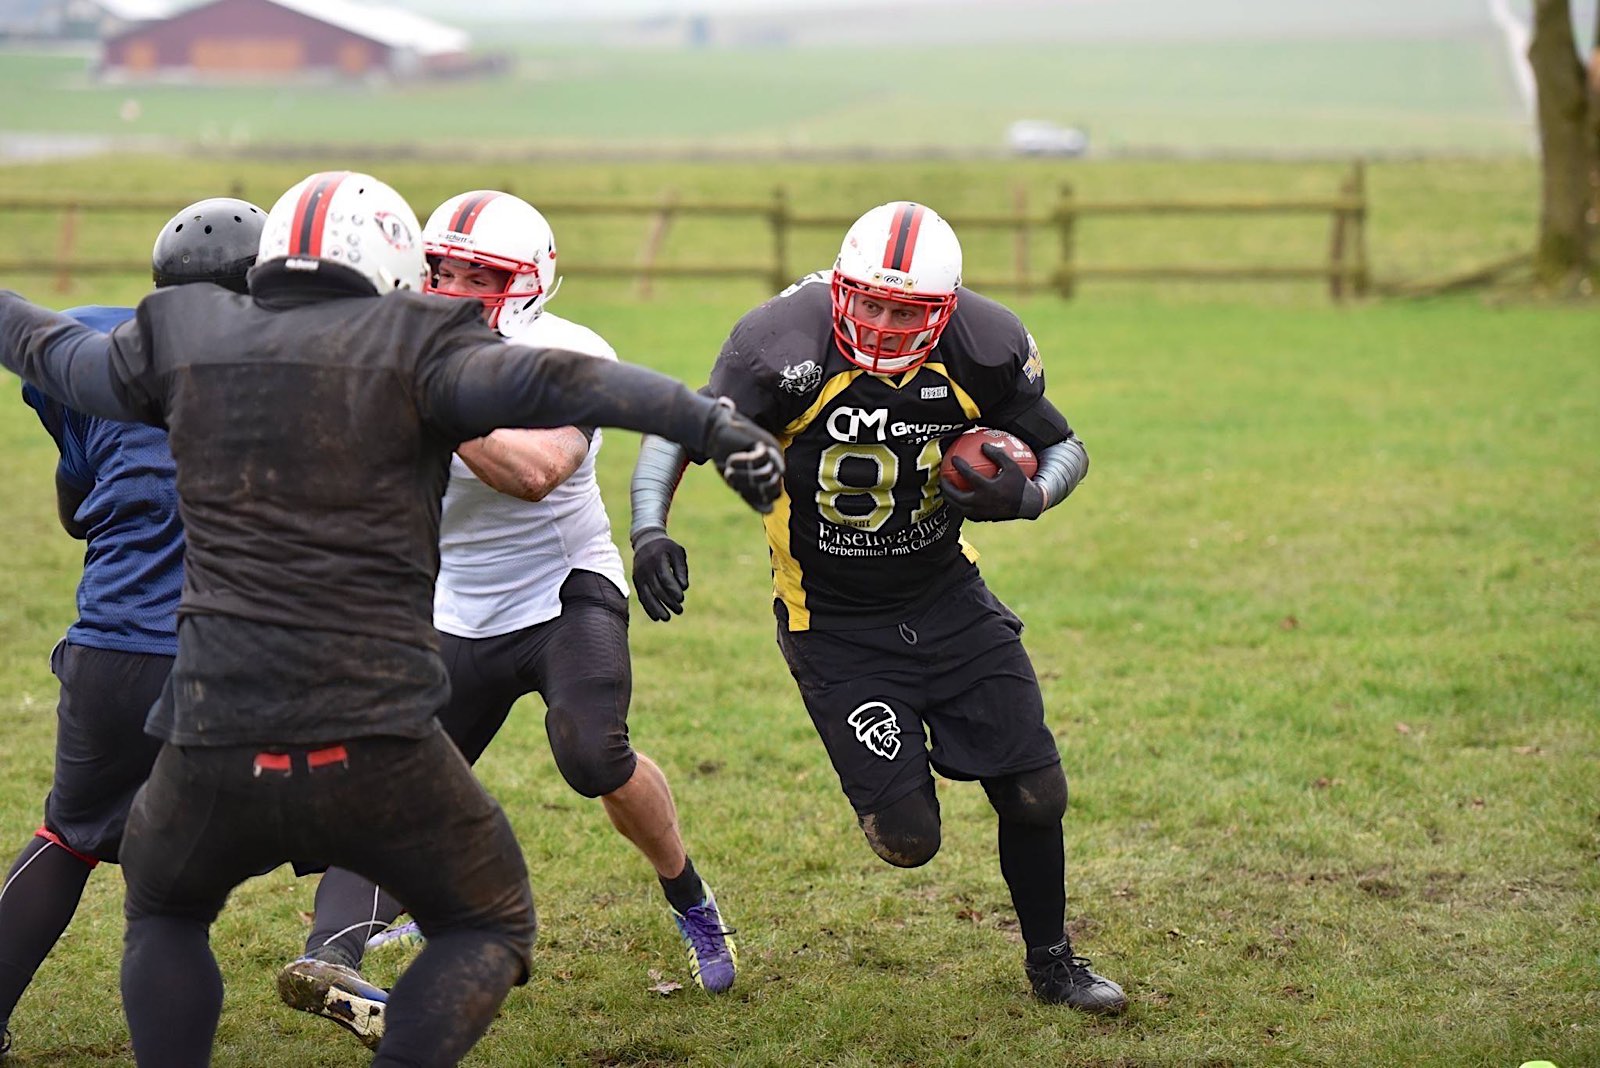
(969, 446)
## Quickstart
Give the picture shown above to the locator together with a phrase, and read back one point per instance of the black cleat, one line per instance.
(1060, 978)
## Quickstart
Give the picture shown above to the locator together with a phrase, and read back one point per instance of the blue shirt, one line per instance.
(133, 563)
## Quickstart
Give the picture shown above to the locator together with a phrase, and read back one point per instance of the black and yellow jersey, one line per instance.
(862, 532)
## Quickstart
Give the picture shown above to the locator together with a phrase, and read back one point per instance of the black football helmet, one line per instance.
(213, 240)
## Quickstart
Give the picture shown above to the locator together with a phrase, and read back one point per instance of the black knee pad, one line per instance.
(906, 834)
(594, 760)
(1033, 798)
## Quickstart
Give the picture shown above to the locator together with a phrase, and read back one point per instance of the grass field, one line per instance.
(1319, 635)
(1446, 94)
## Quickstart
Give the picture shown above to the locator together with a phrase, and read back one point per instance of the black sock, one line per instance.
(41, 894)
(1033, 861)
(350, 910)
(684, 890)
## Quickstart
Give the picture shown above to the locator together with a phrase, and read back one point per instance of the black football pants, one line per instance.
(405, 813)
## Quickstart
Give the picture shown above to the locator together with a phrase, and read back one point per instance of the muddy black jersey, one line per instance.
(862, 531)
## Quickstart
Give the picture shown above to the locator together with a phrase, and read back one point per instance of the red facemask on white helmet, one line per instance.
(901, 252)
(351, 219)
(491, 229)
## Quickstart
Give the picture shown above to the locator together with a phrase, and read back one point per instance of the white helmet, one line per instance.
(902, 252)
(350, 219)
(487, 228)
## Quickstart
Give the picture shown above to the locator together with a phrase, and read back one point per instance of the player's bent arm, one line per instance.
(527, 464)
(73, 363)
(1063, 461)
(656, 475)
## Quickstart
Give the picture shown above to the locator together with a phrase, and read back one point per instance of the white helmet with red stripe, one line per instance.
(353, 220)
(902, 256)
(487, 228)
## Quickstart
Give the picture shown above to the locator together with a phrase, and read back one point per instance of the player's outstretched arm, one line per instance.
(68, 361)
(482, 387)
(660, 565)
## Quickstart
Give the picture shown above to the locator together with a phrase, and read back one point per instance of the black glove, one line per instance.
(660, 573)
(747, 457)
(1009, 494)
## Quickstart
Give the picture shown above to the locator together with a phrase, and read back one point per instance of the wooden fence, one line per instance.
(1345, 271)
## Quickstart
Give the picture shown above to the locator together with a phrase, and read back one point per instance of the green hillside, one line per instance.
(1310, 95)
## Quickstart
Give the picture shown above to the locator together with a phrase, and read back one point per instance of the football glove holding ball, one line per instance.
(987, 475)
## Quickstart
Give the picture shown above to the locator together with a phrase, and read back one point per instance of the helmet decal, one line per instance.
(305, 233)
(470, 209)
(903, 237)
(394, 230)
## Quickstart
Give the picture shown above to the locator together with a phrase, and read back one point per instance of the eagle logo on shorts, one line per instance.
(877, 728)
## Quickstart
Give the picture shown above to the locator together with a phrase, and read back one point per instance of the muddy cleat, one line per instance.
(1060, 978)
(406, 934)
(338, 993)
(713, 958)
(5, 1042)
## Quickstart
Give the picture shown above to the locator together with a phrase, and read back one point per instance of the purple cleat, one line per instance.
(713, 958)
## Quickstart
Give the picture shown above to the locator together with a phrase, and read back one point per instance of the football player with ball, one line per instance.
(869, 376)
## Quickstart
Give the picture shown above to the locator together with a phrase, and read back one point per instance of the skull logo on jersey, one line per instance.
(801, 378)
(877, 728)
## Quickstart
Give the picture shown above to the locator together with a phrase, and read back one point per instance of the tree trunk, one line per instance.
(1567, 142)
(1594, 121)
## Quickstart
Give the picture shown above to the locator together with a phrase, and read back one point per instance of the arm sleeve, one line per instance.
(479, 386)
(1061, 467)
(656, 475)
(76, 364)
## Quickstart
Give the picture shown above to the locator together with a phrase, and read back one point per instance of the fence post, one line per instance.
(1336, 243)
(660, 222)
(1019, 201)
(1358, 221)
(780, 239)
(64, 246)
(1066, 219)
